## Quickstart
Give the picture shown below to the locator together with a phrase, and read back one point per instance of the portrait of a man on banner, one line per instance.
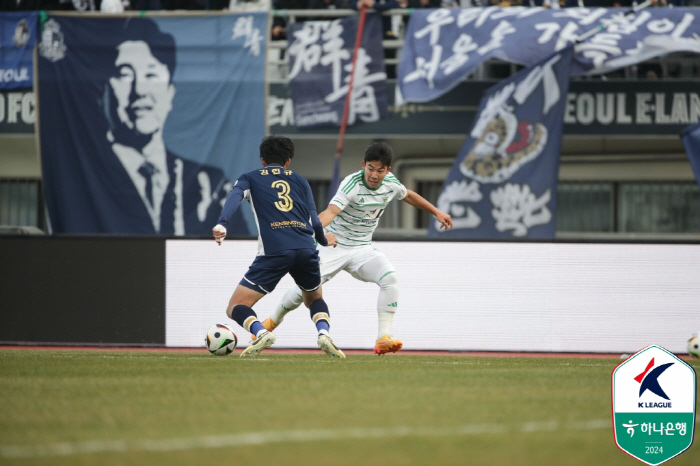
(122, 174)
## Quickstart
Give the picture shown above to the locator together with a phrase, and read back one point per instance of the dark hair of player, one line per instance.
(276, 149)
(381, 152)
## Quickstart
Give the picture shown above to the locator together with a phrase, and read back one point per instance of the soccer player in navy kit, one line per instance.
(284, 207)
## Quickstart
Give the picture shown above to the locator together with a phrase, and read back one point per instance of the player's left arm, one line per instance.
(418, 201)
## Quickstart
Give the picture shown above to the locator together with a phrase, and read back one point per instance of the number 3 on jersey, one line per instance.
(286, 203)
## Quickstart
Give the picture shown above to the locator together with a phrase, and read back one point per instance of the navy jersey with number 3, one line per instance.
(283, 205)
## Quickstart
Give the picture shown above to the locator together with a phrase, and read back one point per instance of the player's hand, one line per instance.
(445, 221)
(332, 240)
(219, 233)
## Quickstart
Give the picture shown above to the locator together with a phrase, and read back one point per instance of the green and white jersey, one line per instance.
(360, 208)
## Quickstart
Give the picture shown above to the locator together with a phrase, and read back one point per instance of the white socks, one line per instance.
(291, 300)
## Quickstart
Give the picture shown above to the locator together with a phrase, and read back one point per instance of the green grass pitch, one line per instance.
(70, 407)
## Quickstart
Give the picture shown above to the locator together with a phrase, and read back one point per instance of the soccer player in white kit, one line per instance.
(352, 216)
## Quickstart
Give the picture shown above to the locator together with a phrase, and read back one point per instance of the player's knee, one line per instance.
(389, 280)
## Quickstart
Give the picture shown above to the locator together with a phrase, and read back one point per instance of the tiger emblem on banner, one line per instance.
(504, 145)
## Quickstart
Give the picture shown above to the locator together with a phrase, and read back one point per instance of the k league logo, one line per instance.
(653, 404)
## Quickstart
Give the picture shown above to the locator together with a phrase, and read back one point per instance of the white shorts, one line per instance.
(352, 260)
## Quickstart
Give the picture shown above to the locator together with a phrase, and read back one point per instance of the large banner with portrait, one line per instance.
(320, 61)
(17, 41)
(443, 46)
(503, 184)
(145, 123)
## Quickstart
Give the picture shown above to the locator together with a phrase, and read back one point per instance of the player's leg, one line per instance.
(380, 271)
(307, 275)
(240, 309)
(291, 300)
(262, 277)
(331, 262)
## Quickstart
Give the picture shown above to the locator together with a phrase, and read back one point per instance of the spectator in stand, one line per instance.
(279, 24)
(327, 5)
(389, 31)
(425, 3)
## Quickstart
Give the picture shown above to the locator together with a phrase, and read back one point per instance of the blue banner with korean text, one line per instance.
(443, 46)
(17, 40)
(691, 142)
(146, 123)
(503, 184)
(320, 61)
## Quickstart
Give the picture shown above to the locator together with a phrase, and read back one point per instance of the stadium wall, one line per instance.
(481, 296)
(82, 290)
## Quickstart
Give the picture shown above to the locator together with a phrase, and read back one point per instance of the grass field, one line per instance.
(71, 407)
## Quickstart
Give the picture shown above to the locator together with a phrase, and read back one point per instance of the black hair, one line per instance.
(381, 152)
(276, 149)
(161, 44)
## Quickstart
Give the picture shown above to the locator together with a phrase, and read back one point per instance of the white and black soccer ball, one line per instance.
(220, 339)
(694, 346)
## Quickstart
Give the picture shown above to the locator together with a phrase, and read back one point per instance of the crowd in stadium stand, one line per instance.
(112, 6)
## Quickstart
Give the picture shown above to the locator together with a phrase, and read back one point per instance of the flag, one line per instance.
(691, 141)
(320, 60)
(503, 183)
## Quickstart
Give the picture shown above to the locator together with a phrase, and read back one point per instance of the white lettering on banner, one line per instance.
(606, 108)
(14, 75)
(244, 27)
(363, 103)
(304, 49)
(315, 118)
(14, 106)
(426, 69)
(18, 107)
(436, 20)
(626, 40)
(549, 30)
(643, 108)
(600, 47)
(281, 111)
(622, 116)
(452, 200)
(497, 35)
(462, 46)
(545, 73)
(584, 16)
(334, 52)
(516, 208)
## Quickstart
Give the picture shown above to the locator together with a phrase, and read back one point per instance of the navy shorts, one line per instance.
(266, 271)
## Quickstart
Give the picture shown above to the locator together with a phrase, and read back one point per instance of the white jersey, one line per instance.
(361, 207)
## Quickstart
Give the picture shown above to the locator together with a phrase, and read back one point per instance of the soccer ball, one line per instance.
(694, 346)
(220, 339)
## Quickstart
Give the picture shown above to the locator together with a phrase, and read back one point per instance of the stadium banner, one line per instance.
(691, 142)
(503, 184)
(320, 61)
(499, 296)
(443, 46)
(145, 123)
(648, 107)
(17, 111)
(17, 41)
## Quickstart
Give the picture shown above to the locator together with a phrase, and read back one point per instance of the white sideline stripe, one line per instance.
(259, 438)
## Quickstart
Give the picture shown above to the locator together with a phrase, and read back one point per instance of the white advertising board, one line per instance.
(464, 296)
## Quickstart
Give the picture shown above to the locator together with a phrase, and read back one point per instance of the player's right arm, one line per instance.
(233, 201)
